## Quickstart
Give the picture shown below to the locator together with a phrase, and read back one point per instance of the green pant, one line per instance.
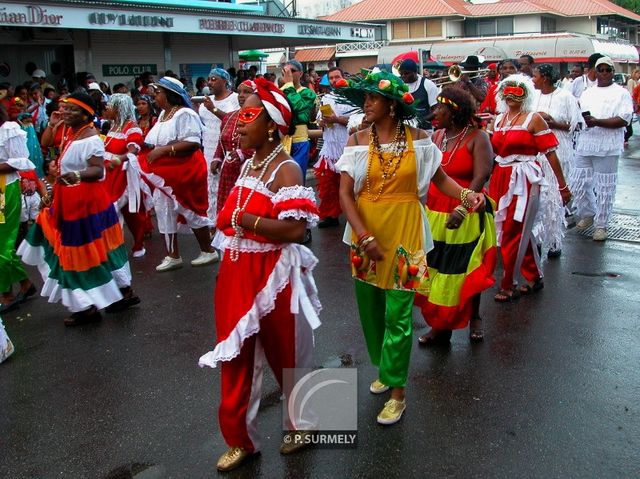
(386, 317)
(11, 268)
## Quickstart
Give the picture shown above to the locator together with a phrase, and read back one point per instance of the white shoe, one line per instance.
(584, 223)
(169, 263)
(600, 234)
(139, 254)
(8, 351)
(205, 258)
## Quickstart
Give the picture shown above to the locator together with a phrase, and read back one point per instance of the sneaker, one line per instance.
(169, 263)
(7, 351)
(205, 258)
(392, 412)
(139, 254)
(584, 223)
(600, 234)
(377, 387)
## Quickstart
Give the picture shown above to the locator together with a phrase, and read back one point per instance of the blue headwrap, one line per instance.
(223, 74)
(325, 80)
(176, 86)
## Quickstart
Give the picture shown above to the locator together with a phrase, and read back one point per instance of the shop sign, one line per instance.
(128, 70)
(99, 18)
(322, 30)
(362, 32)
(31, 16)
(240, 26)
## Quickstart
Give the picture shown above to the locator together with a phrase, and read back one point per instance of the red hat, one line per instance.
(275, 103)
(492, 66)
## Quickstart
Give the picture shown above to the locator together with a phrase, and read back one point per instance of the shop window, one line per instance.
(417, 29)
(434, 28)
(400, 30)
(548, 25)
(486, 27)
(504, 26)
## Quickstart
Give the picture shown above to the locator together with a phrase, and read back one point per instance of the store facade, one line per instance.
(119, 40)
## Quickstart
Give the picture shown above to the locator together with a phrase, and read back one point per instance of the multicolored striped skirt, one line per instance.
(79, 249)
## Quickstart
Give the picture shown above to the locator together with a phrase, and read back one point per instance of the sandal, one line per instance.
(440, 338)
(526, 289)
(128, 300)
(506, 295)
(476, 334)
(83, 317)
(22, 297)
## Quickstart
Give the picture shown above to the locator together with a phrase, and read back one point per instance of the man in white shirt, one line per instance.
(587, 80)
(333, 118)
(424, 91)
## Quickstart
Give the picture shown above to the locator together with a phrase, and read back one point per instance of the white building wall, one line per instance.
(526, 23)
(452, 28)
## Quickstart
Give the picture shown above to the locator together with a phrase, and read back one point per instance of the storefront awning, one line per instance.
(323, 54)
(544, 48)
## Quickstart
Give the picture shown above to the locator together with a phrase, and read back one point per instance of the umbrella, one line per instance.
(252, 55)
(432, 64)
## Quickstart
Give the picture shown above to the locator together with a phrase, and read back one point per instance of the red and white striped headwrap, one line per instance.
(275, 103)
(250, 83)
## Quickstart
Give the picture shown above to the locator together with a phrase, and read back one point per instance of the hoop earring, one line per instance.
(271, 135)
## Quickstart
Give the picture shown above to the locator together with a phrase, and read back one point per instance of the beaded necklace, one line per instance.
(234, 247)
(389, 167)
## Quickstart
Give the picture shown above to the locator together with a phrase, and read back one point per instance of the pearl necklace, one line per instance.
(234, 247)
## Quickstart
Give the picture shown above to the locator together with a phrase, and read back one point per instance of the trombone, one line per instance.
(455, 73)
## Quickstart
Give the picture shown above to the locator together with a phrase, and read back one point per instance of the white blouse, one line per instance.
(211, 131)
(185, 125)
(428, 158)
(13, 150)
(76, 157)
(602, 103)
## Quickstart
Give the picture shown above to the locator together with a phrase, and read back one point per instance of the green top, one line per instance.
(302, 103)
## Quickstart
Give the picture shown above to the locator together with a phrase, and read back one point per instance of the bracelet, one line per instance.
(363, 235)
(363, 244)
(461, 210)
(463, 197)
(564, 188)
(255, 225)
(173, 151)
(77, 173)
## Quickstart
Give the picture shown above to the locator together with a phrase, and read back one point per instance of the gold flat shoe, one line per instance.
(392, 412)
(294, 441)
(233, 458)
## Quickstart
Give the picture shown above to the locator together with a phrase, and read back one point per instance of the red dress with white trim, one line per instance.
(180, 182)
(123, 182)
(515, 187)
(266, 304)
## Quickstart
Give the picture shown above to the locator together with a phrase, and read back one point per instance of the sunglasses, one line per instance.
(249, 114)
(605, 70)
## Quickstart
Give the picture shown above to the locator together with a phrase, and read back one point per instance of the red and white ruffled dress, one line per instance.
(180, 182)
(516, 184)
(265, 302)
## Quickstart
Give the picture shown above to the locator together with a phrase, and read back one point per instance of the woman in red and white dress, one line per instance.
(173, 163)
(131, 195)
(266, 302)
(518, 183)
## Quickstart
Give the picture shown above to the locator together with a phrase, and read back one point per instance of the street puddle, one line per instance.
(604, 274)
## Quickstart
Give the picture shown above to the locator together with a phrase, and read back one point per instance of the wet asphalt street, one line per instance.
(553, 392)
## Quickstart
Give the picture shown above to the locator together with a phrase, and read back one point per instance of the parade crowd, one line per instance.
(435, 181)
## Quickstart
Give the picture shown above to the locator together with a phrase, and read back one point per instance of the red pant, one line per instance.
(285, 341)
(512, 233)
(329, 193)
(137, 224)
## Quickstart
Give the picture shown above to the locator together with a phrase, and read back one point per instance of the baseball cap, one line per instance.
(93, 86)
(605, 61)
(38, 74)
(408, 65)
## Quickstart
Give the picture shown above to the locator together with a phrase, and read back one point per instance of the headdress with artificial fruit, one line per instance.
(353, 90)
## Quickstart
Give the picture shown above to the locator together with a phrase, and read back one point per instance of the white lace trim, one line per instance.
(295, 192)
(550, 224)
(327, 163)
(253, 183)
(245, 245)
(293, 267)
(298, 214)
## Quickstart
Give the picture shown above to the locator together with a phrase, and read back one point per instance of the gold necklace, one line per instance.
(172, 112)
(390, 166)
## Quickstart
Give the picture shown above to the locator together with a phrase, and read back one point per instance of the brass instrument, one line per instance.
(455, 73)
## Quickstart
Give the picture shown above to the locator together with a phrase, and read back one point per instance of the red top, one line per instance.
(518, 140)
(116, 143)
